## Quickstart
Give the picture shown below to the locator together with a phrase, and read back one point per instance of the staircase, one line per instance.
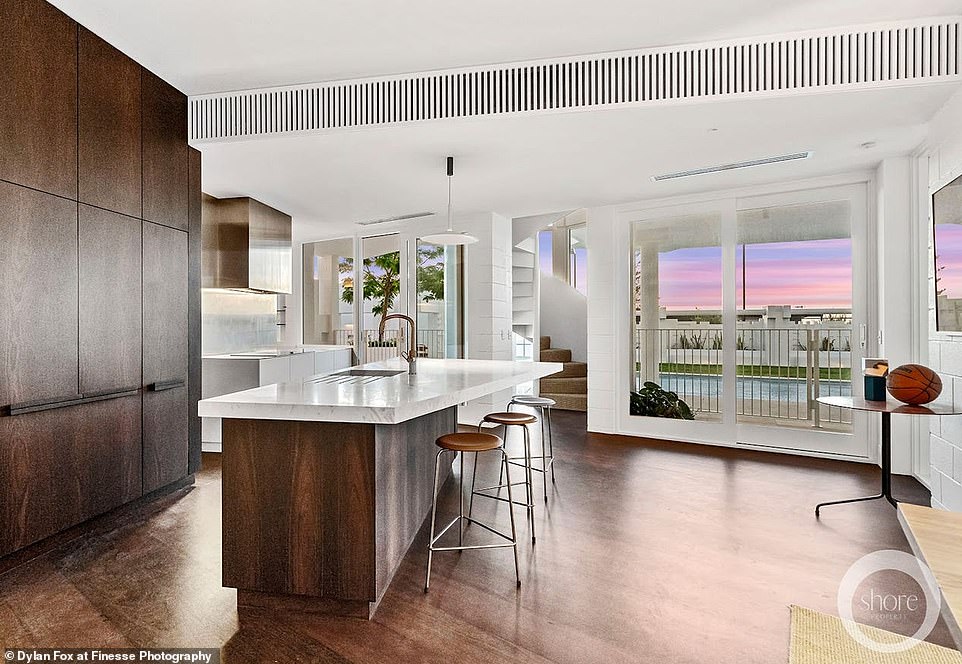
(569, 387)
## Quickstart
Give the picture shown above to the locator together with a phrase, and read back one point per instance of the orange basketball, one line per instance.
(913, 384)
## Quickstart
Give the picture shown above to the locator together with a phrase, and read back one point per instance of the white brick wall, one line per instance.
(944, 161)
(602, 400)
(487, 293)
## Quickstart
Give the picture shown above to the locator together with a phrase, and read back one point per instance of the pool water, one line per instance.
(769, 389)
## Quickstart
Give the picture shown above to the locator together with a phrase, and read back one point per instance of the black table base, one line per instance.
(886, 470)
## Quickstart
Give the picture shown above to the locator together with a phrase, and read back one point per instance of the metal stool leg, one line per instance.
(530, 487)
(544, 458)
(514, 532)
(434, 512)
(547, 417)
(474, 477)
(502, 479)
(461, 500)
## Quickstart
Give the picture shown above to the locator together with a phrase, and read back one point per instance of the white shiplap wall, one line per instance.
(943, 162)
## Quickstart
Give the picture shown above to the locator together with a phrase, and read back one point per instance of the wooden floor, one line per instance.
(649, 551)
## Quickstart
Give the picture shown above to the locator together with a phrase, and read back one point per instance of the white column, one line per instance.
(896, 283)
(487, 295)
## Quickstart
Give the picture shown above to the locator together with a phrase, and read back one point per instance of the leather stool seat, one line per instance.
(529, 400)
(510, 418)
(469, 442)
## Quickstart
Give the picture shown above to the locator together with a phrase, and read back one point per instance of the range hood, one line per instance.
(246, 246)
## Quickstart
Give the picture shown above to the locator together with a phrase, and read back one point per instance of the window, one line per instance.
(328, 275)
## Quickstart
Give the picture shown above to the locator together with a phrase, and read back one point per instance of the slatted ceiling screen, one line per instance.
(895, 55)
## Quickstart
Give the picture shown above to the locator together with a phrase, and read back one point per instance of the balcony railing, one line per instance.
(780, 372)
(392, 342)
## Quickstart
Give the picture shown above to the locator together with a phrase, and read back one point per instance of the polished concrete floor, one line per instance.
(647, 552)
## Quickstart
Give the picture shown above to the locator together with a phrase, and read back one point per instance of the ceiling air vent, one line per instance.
(856, 57)
(733, 166)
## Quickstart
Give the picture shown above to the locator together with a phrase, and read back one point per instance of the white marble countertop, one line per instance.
(439, 384)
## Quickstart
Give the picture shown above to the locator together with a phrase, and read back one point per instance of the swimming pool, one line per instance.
(751, 387)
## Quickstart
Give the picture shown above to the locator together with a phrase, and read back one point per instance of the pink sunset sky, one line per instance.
(948, 258)
(811, 274)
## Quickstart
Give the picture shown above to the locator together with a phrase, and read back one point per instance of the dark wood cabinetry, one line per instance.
(110, 301)
(165, 304)
(38, 104)
(109, 143)
(99, 309)
(166, 432)
(165, 437)
(194, 251)
(38, 301)
(78, 462)
(165, 153)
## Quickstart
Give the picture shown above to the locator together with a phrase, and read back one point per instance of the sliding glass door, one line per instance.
(677, 305)
(745, 312)
(438, 300)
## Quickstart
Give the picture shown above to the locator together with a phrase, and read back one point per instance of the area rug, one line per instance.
(818, 638)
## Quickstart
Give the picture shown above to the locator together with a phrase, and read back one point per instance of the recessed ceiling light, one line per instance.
(733, 166)
(400, 217)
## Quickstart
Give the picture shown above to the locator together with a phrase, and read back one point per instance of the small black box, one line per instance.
(875, 388)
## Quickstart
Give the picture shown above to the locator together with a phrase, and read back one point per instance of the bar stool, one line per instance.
(463, 443)
(543, 405)
(507, 419)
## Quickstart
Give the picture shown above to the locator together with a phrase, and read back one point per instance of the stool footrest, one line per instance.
(473, 546)
(514, 462)
(477, 492)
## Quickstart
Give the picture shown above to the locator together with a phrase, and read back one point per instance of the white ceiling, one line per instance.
(218, 45)
(525, 165)
(520, 165)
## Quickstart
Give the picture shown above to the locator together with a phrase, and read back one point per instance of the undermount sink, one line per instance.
(370, 372)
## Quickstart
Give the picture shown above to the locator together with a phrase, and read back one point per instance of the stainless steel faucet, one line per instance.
(412, 354)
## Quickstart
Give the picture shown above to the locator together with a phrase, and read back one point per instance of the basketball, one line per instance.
(913, 384)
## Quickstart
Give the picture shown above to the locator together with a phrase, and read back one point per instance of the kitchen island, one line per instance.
(327, 481)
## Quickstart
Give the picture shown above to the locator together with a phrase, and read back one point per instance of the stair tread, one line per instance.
(576, 402)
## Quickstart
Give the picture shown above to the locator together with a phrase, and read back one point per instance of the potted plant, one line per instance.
(652, 401)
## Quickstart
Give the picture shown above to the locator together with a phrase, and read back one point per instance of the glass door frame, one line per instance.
(820, 441)
(728, 432)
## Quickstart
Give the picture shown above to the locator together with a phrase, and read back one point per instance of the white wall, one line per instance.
(899, 312)
(563, 313)
(940, 163)
(605, 394)
(487, 296)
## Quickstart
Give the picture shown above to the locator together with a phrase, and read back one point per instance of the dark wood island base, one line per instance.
(317, 516)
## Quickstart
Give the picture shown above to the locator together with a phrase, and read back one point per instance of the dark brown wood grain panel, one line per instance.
(165, 437)
(405, 456)
(165, 177)
(61, 467)
(38, 300)
(165, 303)
(194, 321)
(299, 508)
(38, 104)
(109, 144)
(323, 509)
(110, 300)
